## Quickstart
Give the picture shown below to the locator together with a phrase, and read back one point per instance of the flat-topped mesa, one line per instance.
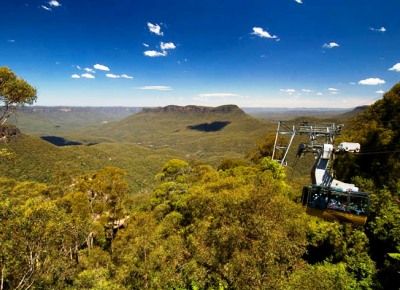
(226, 109)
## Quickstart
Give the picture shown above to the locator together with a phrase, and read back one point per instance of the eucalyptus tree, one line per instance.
(14, 92)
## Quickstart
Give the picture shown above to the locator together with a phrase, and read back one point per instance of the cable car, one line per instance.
(330, 198)
(331, 204)
(326, 197)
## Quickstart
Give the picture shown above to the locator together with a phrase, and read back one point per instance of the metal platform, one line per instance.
(318, 134)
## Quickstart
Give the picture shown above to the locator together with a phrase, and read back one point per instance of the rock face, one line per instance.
(226, 109)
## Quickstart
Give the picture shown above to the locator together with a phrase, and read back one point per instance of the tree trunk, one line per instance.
(2, 278)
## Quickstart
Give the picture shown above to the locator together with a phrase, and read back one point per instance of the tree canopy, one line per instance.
(14, 92)
(376, 170)
(377, 129)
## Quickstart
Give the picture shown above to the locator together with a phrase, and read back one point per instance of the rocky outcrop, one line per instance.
(225, 109)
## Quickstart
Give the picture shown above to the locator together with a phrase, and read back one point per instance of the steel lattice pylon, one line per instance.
(319, 134)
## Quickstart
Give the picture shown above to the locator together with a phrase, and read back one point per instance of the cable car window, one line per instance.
(358, 205)
(318, 200)
(337, 202)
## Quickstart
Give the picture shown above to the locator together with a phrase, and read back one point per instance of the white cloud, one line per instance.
(155, 28)
(333, 91)
(154, 53)
(145, 44)
(372, 82)
(78, 67)
(45, 7)
(101, 67)
(288, 91)
(76, 76)
(320, 94)
(125, 76)
(382, 29)
(330, 45)
(156, 88)
(396, 67)
(89, 70)
(299, 1)
(54, 3)
(217, 95)
(88, 76)
(307, 90)
(352, 83)
(380, 92)
(167, 45)
(260, 32)
(113, 76)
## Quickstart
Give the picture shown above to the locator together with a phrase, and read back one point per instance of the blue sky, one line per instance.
(286, 53)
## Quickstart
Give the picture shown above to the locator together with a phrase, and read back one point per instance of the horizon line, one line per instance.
(242, 107)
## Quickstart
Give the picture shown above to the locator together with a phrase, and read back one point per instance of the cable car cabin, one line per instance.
(330, 204)
(327, 197)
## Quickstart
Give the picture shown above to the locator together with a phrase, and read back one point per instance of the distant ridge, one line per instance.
(353, 113)
(225, 109)
(360, 109)
(81, 109)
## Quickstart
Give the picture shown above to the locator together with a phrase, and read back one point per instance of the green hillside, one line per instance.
(41, 161)
(353, 113)
(377, 128)
(169, 128)
(139, 144)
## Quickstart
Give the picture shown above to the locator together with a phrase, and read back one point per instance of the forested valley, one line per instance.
(202, 224)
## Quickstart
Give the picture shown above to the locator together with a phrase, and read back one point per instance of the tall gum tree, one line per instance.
(14, 92)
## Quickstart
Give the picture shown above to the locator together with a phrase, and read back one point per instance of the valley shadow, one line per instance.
(60, 141)
(210, 127)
